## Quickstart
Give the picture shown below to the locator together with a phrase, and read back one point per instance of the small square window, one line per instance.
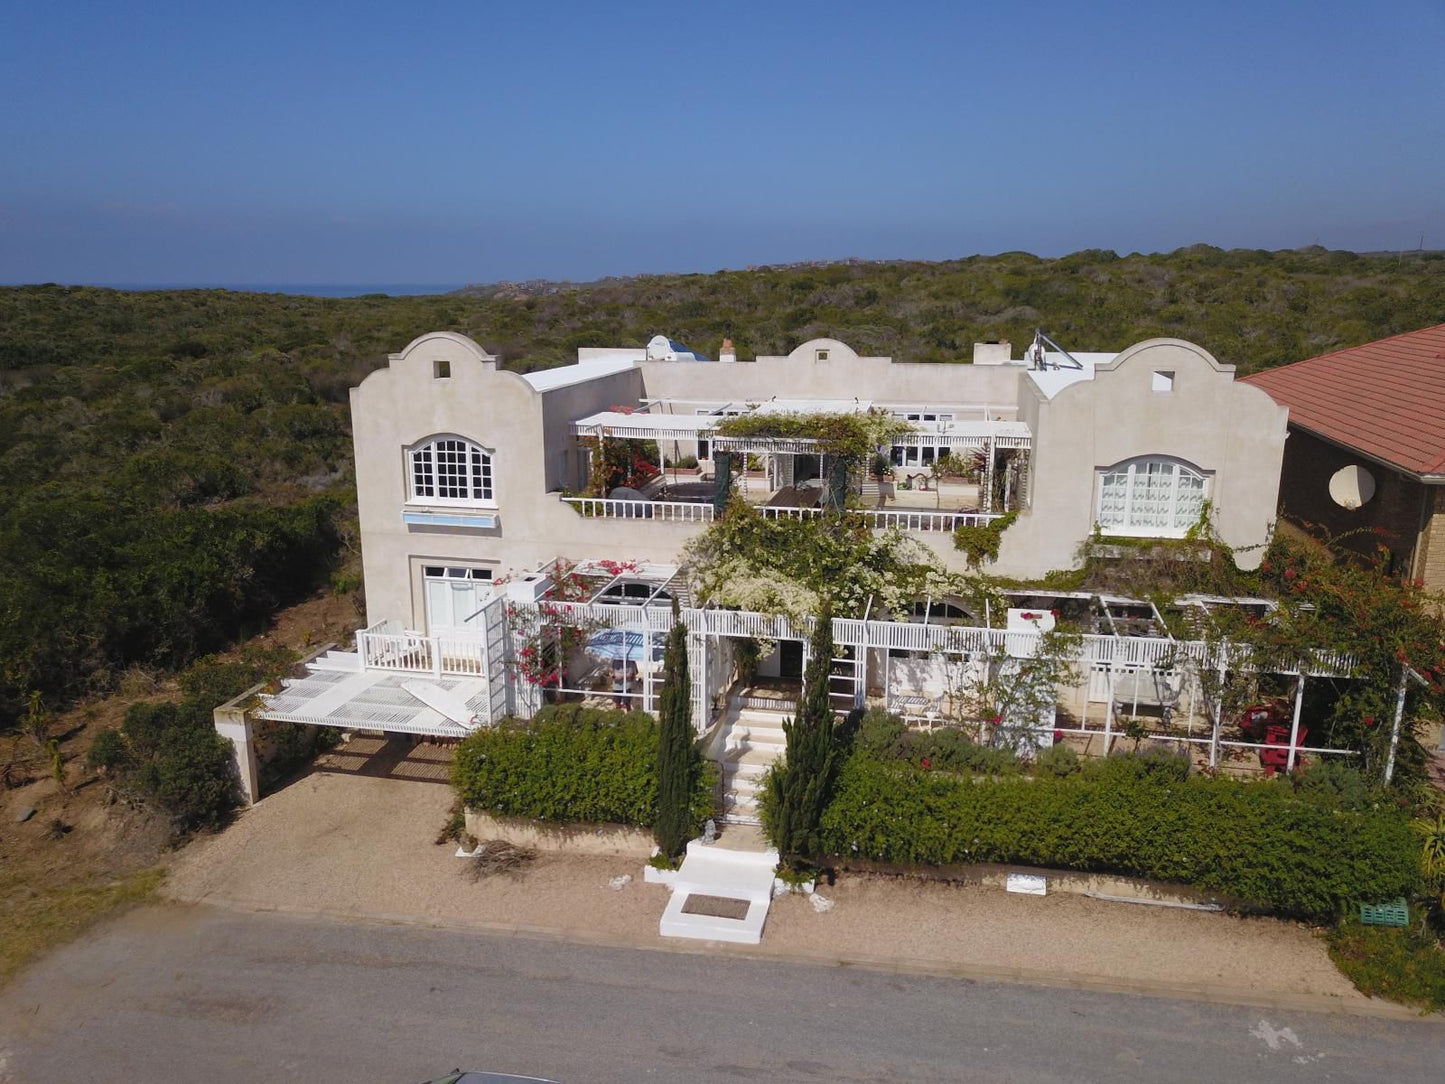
(1163, 380)
(820, 355)
(441, 370)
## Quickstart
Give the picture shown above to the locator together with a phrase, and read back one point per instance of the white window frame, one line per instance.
(1131, 470)
(480, 493)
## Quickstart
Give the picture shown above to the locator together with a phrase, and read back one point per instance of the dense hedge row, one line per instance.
(569, 765)
(1263, 843)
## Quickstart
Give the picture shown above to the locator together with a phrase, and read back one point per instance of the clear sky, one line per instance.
(445, 143)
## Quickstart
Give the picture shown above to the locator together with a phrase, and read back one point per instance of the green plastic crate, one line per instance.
(1393, 913)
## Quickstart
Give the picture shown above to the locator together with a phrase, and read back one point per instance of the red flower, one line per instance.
(1290, 573)
(926, 763)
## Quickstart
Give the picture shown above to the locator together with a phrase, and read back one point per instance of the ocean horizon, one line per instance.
(299, 289)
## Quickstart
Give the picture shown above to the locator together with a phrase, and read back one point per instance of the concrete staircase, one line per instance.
(739, 875)
(747, 746)
(348, 661)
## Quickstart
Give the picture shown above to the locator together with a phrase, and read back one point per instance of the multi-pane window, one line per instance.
(1152, 497)
(449, 469)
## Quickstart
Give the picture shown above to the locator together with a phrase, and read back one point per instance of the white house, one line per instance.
(466, 472)
(472, 486)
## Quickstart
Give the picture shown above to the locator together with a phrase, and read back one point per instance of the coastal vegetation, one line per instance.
(176, 465)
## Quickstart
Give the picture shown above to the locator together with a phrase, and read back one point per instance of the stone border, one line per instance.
(620, 840)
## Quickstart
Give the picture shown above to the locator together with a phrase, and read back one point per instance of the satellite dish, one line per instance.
(1352, 486)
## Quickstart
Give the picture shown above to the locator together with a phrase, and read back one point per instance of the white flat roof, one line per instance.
(566, 375)
(1059, 375)
(650, 423)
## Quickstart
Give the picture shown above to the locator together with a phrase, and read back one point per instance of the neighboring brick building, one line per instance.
(1366, 452)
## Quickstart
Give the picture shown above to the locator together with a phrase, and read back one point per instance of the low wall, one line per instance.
(995, 875)
(610, 839)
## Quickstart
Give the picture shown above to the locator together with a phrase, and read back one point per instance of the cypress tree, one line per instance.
(802, 784)
(677, 755)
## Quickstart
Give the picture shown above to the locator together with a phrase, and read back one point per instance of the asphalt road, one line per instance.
(173, 993)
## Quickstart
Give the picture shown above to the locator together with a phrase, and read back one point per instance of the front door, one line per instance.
(455, 597)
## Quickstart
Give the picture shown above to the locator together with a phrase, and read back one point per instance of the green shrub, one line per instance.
(107, 751)
(885, 736)
(569, 764)
(1260, 842)
(212, 680)
(1058, 761)
(170, 755)
(981, 543)
(1403, 965)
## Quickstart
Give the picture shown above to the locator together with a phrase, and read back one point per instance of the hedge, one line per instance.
(569, 764)
(1261, 843)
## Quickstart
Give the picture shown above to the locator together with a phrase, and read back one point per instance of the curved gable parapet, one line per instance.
(451, 343)
(1129, 353)
(836, 348)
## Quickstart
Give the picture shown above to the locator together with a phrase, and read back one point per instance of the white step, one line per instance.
(337, 660)
(742, 805)
(742, 784)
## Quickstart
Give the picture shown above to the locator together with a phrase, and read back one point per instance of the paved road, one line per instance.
(176, 993)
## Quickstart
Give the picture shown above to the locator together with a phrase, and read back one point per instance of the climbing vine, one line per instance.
(852, 437)
(791, 567)
(981, 542)
(619, 462)
(543, 638)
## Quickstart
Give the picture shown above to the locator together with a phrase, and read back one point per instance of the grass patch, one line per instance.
(1401, 965)
(33, 921)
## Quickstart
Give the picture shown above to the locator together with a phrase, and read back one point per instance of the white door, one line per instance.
(455, 597)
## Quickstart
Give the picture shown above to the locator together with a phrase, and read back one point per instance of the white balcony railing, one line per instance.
(387, 646)
(700, 512)
(667, 511)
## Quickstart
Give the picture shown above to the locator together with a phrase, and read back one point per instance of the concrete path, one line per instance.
(197, 993)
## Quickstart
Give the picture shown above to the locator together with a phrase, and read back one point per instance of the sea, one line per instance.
(300, 289)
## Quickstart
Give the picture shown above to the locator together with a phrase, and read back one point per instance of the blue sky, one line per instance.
(449, 143)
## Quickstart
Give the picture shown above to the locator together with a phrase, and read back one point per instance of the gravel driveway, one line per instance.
(352, 845)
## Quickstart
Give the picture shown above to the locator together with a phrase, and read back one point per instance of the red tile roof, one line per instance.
(1385, 399)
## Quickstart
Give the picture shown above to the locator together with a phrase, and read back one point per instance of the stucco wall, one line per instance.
(395, 407)
(1233, 432)
(845, 375)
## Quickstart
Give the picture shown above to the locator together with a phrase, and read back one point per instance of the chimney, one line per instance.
(992, 353)
(728, 352)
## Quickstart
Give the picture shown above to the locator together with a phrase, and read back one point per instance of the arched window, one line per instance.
(450, 469)
(1152, 497)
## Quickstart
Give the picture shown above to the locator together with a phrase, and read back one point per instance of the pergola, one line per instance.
(985, 434)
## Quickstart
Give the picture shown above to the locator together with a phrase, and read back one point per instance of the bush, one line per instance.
(886, 737)
(1058, 761)
(214, 680)
(687, 462)
(1402, 965)
(1260, 843)
(569, 764)
(170, 755)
